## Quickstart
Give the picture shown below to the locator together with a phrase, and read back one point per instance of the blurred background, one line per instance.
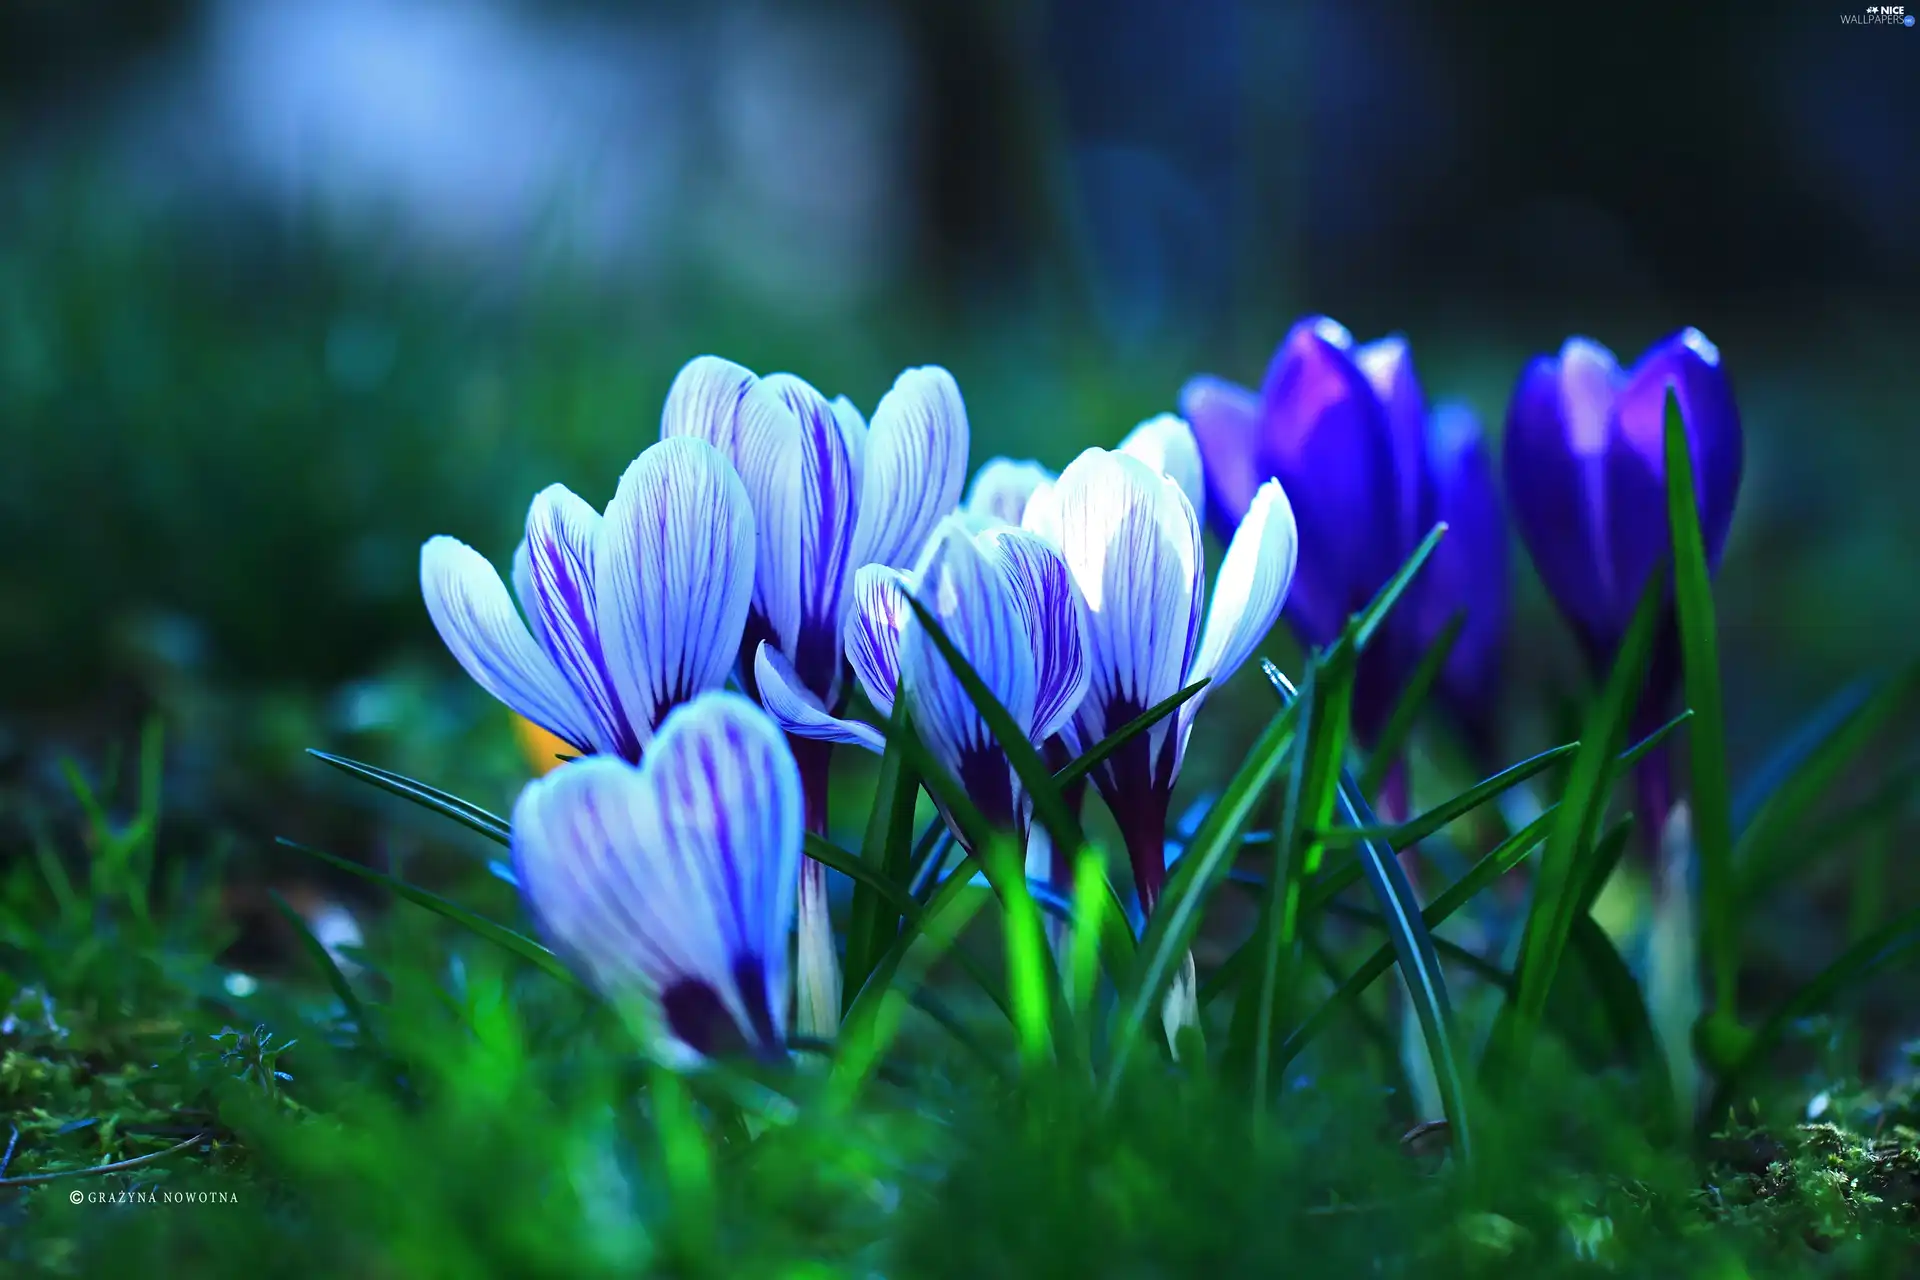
(287, 286)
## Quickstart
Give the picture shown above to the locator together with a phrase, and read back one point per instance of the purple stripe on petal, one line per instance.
(561, 530)
(1056, 621)
(874, 623)
(674, 571)
(829, 487)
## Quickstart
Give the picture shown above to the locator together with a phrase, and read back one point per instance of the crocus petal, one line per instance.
(727, 406)
(968, 595)
(672, 883)
(1324, 435)
(1002, 487)
(1554, 461)
(1388, 365)
(874, 624)
(523, 591)
(916, 463)
(562, 529)
(1468, 572)
(830, 448)
(1166, 444)
(675, 571)
(1636, 465)
(1132, 544)
(474, 615)
(1226, 425)
(1248, 594)
(798, 711)
(1056, 622)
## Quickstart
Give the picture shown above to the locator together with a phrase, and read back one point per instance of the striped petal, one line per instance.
(1132, 543)
(674, 567)
(874, 624)
(916, 463)
(1056, 622)
(727, 406)
(671, 883)
(523, 591)
(1167, 444)
(830, 457)
(798, 711)
(968, 595)
(474, 614)
(1002, 487)
(1248, 594)
(561, 533)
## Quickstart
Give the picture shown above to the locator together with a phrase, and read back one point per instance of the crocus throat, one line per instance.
(696, 1015)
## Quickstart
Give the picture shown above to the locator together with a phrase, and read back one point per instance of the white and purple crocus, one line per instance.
(670, 884)
(1586, 469)
(831, 493)
(626, 615)
(1346, 428)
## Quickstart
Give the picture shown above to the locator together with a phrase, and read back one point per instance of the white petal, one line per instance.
(1042, 515)
(727, 406)
(1132, 543)
(1056, 622)
(1248, 594)
(798, 711)
(969, 597)
(915, 466)
(562, 530)
(1002, 487)
(674, 568)
(475, 616)
(679, 873)
(874, 624)
(1167, 444)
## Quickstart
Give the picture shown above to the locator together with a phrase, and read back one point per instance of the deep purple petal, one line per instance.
(1468, 573)
(1388, 364)
(1226, 424)
(1555, 470)
(1689, 364)
(1324, 435)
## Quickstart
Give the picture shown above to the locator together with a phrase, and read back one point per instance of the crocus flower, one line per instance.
(671, 884)
(1004, 598)
(626, 615)
(1586, 478)
(1131, 541)
(1346, 429)
(1001, 489)
(1586, 472)
(831, 494)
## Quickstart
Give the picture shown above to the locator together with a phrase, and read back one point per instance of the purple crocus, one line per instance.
(626, 615)
(1346, 429)
(1586, 478)
(671, 884)
(831, 493)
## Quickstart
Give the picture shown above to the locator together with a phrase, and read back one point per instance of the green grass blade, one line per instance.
(498, 934)
(1895, 942)
(887, 850)
(1419, 964)
(1759, 856)
(468, 815)
(323, 961)
(1412, 701)
(1509, 854)
(1712, 807)
(1413, 831)
(1195, 876)
(1477, 964)
(1092, 758)
(1557, 892)
(1360, 630)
